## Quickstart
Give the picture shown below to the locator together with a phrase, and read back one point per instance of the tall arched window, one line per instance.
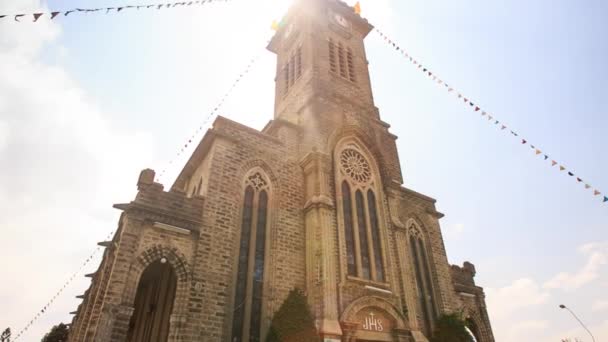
(424, 283)
(361, 224)
(247, 320)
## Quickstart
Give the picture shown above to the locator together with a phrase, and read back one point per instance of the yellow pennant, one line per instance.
(358, 8)
(274, 26)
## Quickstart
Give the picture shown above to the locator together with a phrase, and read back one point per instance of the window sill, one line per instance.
(362, 281)
(337, 75)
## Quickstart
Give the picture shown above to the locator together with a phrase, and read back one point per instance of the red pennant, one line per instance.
(523, 141)
(553, 163)
(596, 193)
(477, 109)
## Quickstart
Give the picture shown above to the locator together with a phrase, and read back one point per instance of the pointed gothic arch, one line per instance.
(144, 275)
(153, 304)
(360, 209)
(426, 304)
(248, 304)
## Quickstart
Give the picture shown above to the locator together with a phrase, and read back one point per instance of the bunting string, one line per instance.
(52, 15)
(50, 302)
(491, 118)
(214, 112)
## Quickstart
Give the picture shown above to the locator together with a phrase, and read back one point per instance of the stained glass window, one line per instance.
(373, 218)
(250, 276)
(348, 229)
(363, 240)
(241, 283)
(258, 268)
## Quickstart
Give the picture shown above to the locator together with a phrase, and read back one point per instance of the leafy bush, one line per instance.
(293, 322)
(451, 328)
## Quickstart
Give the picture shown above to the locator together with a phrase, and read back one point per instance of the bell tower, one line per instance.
(320, 53)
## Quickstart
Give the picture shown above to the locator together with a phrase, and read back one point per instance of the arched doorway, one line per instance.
(153, 304)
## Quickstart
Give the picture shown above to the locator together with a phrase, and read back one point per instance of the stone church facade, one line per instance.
(315, 201)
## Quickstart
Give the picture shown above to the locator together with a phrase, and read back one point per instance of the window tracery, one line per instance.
(355, 165)
(361, 224)
(424, 282)
(250, 275)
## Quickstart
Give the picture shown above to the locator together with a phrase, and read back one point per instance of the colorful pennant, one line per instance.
(477, 108)
(357, 8)
(52, 15)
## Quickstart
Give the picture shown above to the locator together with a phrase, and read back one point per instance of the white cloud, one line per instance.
(524, 330)
(600, 305)
(521, 294)
(63, 164)
(597, 257)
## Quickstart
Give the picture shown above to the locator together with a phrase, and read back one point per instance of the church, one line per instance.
(313, 201)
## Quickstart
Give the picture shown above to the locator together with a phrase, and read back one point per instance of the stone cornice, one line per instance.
(157, 215)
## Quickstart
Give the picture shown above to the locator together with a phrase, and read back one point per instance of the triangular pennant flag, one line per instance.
(119, 9)
(37, 15)
(424, 70)
(68, 12)
(450, 90)
(553, 163)
(538, 151)
(274, 26)
(596, 193)
(496, 122)
(605, 199)
(570, 174)
(490, 118)
(471, 103)
(503, 127)
(523, 141)
(54, 14)
(587, 186)
(357, 8)
(18, 16)
(532, 147)
(578, 179)
(546, 157)
(477, 109)
(2, 16)
(466, 100)
(561, 168)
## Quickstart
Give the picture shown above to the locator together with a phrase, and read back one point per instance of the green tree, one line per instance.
(293, 322)
(6, 335)
(451, 328)
(58, 333)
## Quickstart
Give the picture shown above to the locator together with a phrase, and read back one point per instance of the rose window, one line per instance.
(355, 166)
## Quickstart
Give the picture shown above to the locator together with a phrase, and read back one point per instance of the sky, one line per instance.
(87, 101)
